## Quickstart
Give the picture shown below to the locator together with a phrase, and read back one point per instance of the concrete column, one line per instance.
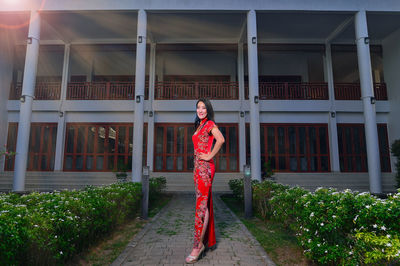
(242, 121)
(333, 136)
(150, 122)
(28, 90)
(6, 68)
(60, 143)
(253, 94)
(139, 96)
(367, 93)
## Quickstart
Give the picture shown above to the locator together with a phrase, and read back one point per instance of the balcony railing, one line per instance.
(43, 91)
(116, 90)
(352, 91)
(194, 90)
(290, 91)
(113, 90)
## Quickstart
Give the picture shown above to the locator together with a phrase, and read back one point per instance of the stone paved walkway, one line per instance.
(167, 239)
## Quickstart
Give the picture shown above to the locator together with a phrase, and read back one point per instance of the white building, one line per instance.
(311, 86)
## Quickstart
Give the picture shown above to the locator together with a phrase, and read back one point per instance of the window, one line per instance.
(352, 148)
(42, 146)
(227, 157)
(293, 147)
(173, 150)
(100, 147)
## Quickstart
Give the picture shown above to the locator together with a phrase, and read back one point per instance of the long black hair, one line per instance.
(210, 112)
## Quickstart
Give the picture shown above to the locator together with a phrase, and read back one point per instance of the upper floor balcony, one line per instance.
(352, 91)
(191, 90)
(187, 72)
(170, 90)
(106, 90)
(291, 91)
(49, 90)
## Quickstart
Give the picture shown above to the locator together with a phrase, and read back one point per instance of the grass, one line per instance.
(280, 244)
(111, 246)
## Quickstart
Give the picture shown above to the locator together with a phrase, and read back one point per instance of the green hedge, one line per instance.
(334, 227)
(50, 228)
(395, 150)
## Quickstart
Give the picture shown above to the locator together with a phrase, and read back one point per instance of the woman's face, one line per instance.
(201, 110)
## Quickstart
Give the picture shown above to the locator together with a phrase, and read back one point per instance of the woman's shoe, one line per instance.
(192, 259)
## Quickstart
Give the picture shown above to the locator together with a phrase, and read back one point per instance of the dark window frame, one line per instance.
(46, 147)
(127, 154)
(189, 156)
(345, 157)
(287, 154)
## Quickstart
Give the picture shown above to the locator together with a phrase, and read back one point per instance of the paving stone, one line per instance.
(168, 238)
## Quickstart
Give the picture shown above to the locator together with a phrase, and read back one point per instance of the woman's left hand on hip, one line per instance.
(204, 157)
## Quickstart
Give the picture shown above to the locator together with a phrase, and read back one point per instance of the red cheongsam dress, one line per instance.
(203, 177)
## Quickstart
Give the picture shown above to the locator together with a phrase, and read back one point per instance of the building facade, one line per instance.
(307, 88)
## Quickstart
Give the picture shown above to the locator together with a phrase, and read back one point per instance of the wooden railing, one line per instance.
(291, 91)
(352, 91)
(114, 90)
(194, 90)
(43, 91)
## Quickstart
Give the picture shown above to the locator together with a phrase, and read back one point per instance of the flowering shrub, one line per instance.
(237, 187)
(50, 228)
(262, 193)
(334, 227)
(395, 150)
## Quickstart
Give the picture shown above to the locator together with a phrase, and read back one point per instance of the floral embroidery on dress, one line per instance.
(203, 176)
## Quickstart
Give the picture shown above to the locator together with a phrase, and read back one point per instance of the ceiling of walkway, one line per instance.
(297, 26)
(16, 25)
(200, 27)
(77, 26)
(196, 27)
(380, 26)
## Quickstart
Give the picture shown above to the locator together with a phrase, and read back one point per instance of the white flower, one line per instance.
(36, 225)
(322, 224)
(318, 245)
(368, 206)
(333, 216)
(326, 251)
(388, 245)
(375, 226)
(309, 240)
(388, 236)
(61, 252)
(351, 253)
(383, 228)
(312, 214)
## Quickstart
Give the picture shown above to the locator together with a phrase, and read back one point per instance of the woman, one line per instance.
(204, 169)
